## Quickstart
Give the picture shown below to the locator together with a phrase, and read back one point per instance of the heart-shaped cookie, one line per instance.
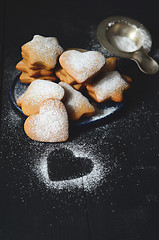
(50, 124)
(37, 92)
(82, 65)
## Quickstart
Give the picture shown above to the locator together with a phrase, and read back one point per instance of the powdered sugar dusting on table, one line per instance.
(93, 43)
(89, 182)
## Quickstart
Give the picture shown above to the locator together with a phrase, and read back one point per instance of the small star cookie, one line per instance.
(109, 85)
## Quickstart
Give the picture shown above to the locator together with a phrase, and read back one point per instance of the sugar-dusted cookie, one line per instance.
(108, 86)
(34, 67)
(127, 78)
(42, 51)
(110, 64)
(64, 76)
(78, 86)
(36, 93)
(82, 66)
(50, 124)
(24, 78)
(76, 104)
(23, 67)
(19, 100)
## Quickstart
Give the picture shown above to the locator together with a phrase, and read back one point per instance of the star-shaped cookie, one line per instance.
(42, 51)
(109, 85)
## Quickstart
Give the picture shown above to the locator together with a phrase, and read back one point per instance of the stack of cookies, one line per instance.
(40, 56)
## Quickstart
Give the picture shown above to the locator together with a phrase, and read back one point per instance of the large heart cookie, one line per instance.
(82, 65)
(37, 92)
(50, 124)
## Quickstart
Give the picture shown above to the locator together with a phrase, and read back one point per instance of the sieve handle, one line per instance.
(145, 62)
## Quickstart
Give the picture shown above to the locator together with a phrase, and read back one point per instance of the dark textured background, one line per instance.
(125, 206)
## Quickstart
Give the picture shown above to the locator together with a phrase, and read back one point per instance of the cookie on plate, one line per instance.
(82, 66)
(42, 51)
(110, 85)
(38, 91)
(50, 124)
(23, 67)
(76, 103)
(25, 78)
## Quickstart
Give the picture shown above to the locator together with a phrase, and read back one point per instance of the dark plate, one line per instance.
(103, 110)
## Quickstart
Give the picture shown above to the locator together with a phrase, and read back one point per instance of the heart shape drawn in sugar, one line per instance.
(82, 65)
(50, 124)
(64, 165)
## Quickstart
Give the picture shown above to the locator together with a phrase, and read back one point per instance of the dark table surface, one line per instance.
(103, 183)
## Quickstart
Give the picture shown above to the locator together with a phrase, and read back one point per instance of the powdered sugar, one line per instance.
(146, 39)
(123, 43)
(156, 54)
(19, 89)
(93, 43)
